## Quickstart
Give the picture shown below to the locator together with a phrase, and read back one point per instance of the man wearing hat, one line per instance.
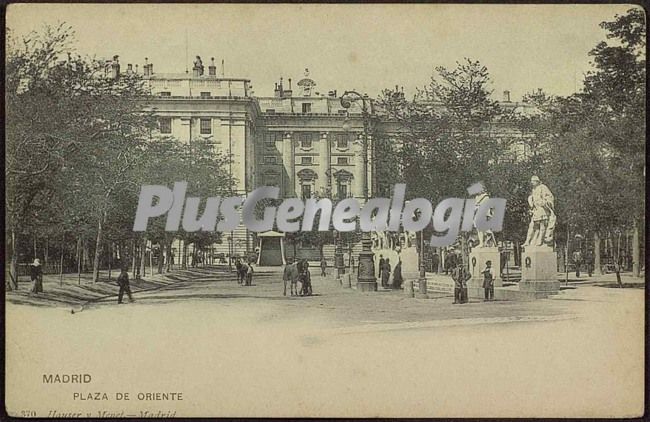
(488, 280)
(36, 275)
(123, 282)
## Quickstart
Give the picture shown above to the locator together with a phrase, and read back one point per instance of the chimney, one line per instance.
(129, 68)
(276, 92)
(115, 67)
(506, 96)
(150, 68)
(145, 67)
(288, 92)
(136, 68)
(212, 69)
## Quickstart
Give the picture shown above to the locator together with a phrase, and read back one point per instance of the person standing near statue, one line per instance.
(460, 276)
(380, 268)
(385, 273)
(488, 280)
(542, 209)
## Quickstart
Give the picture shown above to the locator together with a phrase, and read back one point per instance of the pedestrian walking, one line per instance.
(381, 266)
(36, 275)
(170, 261)
(323, 267)
(577, 261)
(451, 261)
(460, 277)
(589, 260)
(290, 276)
(238, 268)
(305, 279)
(488, 280)
(435, 262)
(385, 273)
(397, 275)
(249, 273)
(123, 282)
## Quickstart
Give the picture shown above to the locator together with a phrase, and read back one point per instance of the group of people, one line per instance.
(461, 276)
(244, 271)
(384, 273)
(298, 272)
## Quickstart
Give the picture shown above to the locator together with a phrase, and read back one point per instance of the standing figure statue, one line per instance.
(542, 209)
(486, 238)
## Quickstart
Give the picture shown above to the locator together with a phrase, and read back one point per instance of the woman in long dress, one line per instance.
(397, 275)
(36, 274)
(385, 273)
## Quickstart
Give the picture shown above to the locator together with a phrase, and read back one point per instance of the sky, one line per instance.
(366, 47)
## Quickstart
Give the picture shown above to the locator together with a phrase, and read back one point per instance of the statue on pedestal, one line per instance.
(542, 210)
(486, 238)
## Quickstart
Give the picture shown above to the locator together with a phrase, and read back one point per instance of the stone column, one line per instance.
(289, 160)
(358, 169)
(324, 163)
(371, 168)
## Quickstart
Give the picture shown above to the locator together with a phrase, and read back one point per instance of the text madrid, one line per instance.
(293, 214)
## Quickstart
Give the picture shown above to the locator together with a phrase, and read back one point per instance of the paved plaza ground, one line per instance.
(250, 351)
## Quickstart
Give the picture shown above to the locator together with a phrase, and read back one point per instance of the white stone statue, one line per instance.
(542, 210)
(486, 238)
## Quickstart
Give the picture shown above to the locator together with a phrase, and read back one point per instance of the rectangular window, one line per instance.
(306, 160)
(343, 190)
(165, 125)
(306, 192)
(165, 94)
(342, 160)
(306, 107)
(342, 140)
(270, 160)
(305, 140)
(206, 126)
(206, 94)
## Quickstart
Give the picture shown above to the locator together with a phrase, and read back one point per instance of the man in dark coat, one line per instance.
(323, 267)
(488, 280)
(460, 277)
(380, 268)
(123, 282)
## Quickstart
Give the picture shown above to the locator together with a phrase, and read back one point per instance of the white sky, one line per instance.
(364, 47)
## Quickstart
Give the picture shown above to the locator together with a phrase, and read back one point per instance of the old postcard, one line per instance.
(325, 210)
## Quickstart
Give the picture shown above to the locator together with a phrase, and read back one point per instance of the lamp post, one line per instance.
(422, 280)
(366, 280)
(338, 258)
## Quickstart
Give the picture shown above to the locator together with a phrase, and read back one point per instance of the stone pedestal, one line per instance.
(477, 259)
(539, 270)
